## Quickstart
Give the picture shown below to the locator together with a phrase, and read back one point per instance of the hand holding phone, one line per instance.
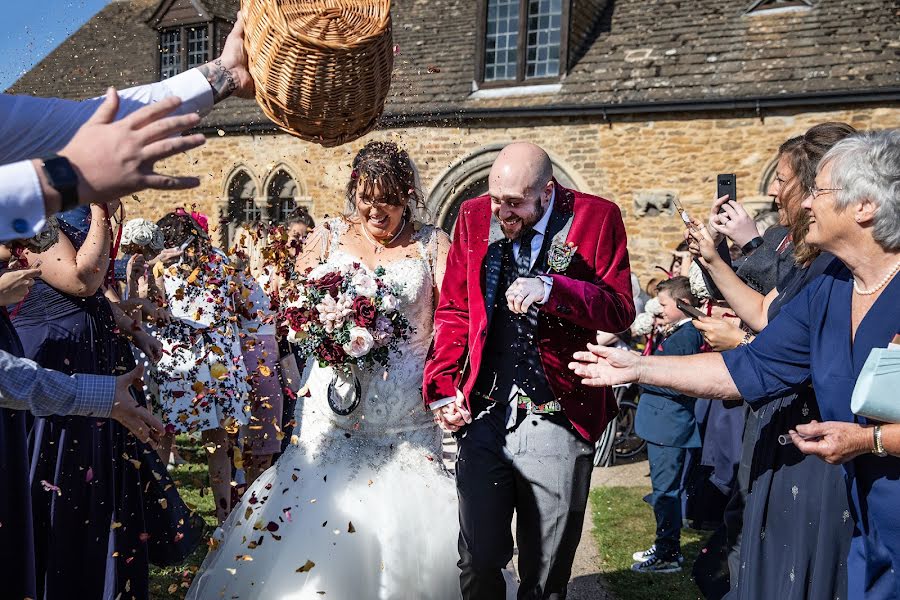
(689, 310)
(726, 185)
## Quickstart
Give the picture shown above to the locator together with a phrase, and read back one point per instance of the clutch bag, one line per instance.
(875, 395)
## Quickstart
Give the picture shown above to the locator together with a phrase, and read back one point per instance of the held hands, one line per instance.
(116, 158)
(719, 333)
(601, 366)
(129, 413)
(835, 442)
(734, 222)
(452, 417)
(16, 283)
(524, 292)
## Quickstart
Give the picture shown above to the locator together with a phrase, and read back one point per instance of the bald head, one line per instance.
(520, 185)
(521, 167)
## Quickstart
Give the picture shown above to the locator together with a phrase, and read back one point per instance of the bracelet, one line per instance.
(878, 447)
(745, 341)
(752, 245)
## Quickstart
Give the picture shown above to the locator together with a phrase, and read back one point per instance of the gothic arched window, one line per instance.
(281, 196)
(242, 206)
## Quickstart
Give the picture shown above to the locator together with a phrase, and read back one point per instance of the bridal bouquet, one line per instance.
(345, 316)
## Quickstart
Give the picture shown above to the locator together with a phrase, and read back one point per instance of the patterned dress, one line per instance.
(201, 377)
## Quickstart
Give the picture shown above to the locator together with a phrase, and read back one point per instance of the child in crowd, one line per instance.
(666, 420)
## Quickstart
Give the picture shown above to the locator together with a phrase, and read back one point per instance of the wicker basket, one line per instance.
(322, 68)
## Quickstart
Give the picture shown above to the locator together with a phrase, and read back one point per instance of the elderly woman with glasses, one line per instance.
(824, 336)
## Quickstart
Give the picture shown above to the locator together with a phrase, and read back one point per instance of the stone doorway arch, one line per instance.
(467, 178)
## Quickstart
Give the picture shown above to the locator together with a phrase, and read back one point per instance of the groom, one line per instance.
(535, 270)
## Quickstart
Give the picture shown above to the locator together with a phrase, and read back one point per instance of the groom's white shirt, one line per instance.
(536, 242)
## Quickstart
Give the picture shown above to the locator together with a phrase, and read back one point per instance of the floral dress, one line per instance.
(202, 378)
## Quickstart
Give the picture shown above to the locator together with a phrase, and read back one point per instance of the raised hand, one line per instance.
(602, 366)
(702, 245)
(229, 75)
(116, 158)
(735, 223)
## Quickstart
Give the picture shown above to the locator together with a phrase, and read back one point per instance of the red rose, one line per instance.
(329, 282)
(331, 352)
(365, 312)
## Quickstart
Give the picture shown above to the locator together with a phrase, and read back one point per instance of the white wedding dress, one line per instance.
(361, 507)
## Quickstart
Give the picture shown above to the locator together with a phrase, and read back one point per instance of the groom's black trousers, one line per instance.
(541, 469)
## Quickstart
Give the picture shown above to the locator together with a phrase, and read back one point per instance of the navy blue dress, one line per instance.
(796, 521)
(17, 568)
(810, 341)
(86, 491)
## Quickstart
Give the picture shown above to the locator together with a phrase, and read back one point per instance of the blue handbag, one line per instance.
(875, 395)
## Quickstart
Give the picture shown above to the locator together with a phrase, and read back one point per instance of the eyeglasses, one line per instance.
(815, 192)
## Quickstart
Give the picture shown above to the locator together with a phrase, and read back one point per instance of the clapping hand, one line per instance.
(602, 366)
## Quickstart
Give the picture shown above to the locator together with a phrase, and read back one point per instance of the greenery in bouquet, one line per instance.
(345, 316)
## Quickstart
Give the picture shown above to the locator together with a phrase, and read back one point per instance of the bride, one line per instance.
(359, 506)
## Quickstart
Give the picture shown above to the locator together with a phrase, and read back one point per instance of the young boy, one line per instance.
(666, 420)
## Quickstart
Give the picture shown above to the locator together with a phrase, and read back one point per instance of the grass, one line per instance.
(192, 480)
(623, 524)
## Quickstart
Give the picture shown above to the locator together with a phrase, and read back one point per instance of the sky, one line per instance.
(30, 29)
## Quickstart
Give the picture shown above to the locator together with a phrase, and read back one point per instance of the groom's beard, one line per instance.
(530, 220)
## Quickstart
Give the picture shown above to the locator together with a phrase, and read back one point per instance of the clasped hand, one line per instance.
(524, 292)
(452, 417)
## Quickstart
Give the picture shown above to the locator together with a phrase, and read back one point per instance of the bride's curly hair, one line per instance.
(387, 165)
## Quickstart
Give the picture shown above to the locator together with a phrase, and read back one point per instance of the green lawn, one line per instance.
(192, 480)
(623, 524)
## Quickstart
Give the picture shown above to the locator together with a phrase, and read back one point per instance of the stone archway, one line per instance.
(467, 178)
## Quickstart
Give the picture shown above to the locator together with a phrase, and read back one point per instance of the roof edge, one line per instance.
(446, 117)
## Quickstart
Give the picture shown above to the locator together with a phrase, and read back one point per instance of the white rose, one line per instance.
(141, 232)
(361, 342)
(365, 284)
(296, 337)
(390, 303)
(698, 284)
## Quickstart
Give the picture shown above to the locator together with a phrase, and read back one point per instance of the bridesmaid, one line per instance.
(87, 495)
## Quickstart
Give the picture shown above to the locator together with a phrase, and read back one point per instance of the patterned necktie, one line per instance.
(523, 261)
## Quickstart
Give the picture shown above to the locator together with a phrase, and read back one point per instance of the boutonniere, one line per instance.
(560, 254)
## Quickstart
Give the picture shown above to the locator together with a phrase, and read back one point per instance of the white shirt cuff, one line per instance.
(21, 201)
(194, 90)
(548, 287)
(442, 403)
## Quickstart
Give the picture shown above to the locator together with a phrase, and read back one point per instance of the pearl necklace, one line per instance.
(381, 245)
(880, 285)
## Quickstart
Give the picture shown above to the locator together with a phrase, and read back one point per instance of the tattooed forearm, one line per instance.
(220, 78)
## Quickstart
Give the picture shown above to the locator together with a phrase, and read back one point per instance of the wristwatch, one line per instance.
(63, 178)
(878, 448)
(752, 245)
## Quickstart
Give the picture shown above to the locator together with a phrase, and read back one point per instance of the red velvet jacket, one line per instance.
(592, 293)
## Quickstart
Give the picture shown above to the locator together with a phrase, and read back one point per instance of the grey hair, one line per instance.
(866, 166)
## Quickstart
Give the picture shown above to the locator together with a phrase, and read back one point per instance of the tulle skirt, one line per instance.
(360, 521)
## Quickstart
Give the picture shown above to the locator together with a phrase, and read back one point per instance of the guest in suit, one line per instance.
(665, 418)
(535, 270)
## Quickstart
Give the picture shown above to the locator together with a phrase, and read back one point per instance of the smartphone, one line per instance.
(679, 208)
(726, 183)
(689, 310)
(187, 243)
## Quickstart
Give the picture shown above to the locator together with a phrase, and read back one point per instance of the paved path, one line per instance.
(586, 583)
